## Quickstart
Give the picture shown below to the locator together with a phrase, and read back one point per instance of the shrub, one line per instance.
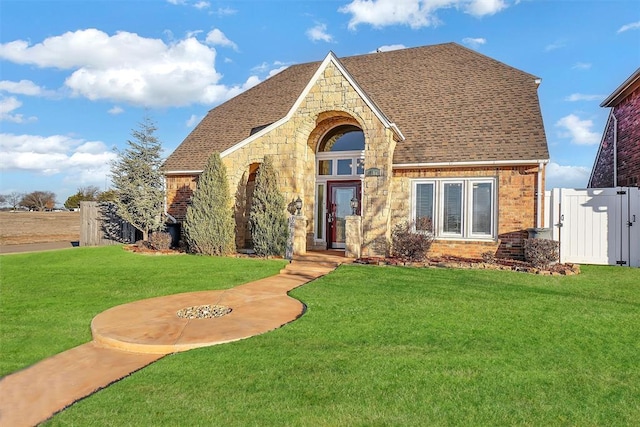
(411, 245)
(541, 252)
(209, 227)
(160, 240)
(267, 219)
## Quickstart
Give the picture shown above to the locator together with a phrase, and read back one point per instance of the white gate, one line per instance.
(596, 225)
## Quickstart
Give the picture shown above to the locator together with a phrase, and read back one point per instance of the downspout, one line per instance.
(615, 149)
(539, 195)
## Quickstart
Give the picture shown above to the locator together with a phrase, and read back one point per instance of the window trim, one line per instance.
(353, 156)
(466, 209)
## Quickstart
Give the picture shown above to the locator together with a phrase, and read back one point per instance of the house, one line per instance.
(438, 133)
(617, 163)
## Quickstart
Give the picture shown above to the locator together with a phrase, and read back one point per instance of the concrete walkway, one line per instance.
(129, 337)
(37, 247)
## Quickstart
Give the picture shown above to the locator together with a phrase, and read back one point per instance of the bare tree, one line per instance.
(14, 199)
(39, 200)
(84, 194)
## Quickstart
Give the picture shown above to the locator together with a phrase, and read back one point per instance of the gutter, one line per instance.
(185, 172)
(473, 163)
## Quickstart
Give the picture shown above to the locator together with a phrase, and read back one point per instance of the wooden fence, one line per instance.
(100, 225)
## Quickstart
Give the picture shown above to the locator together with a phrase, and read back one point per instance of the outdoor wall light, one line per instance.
(298, 203)
(354, 205)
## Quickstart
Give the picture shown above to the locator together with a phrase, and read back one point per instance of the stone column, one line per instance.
(353, 230)
(300, 235)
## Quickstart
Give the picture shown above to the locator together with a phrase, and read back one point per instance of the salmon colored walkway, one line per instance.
(129, 337)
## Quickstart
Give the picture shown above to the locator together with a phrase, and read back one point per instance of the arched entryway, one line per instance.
(339, 175)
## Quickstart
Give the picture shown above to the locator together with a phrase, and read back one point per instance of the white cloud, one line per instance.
(216, 37)
(583, 97)
(80, 161)
(319, 33)
(115, 110)
(24, 87)
(193, 120)
(581, 66)
(558, 176)
(269, 70)
(226, 11)
(202, 5)
(127, 68)
(7, 107)
(558, 44)
(389, 48)
(474, 42)
(578, 130)
(627, 27)
(414, 13)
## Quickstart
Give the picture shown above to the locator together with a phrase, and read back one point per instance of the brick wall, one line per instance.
(180, 188)
(516, 199)
(627, 113)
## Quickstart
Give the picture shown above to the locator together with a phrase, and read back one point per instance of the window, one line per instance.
(455, 208)
(341, 164)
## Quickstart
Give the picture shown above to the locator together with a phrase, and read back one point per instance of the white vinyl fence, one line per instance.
(595, 225)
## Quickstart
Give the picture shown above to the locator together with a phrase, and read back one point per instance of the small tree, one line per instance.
(267, 219)
(39, 200)
(84, 194)
(107, 196)
(138, 181)
(209, 227)
(3, 199)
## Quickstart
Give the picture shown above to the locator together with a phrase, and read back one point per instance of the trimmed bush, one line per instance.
(267, 219)
(411, 245)
(160, 240)
(209, 227)
(541, 252)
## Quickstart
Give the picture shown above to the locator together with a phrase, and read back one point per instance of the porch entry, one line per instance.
(339, 195)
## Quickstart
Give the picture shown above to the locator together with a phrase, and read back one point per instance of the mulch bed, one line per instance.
(144, 250)
(477, 263)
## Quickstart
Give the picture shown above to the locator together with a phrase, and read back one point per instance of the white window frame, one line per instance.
(467, 207)
(353, 156)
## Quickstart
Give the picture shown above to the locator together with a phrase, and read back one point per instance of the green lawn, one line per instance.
(383, 346)
(47, 299)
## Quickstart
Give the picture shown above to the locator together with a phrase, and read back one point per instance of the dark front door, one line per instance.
(339, 195)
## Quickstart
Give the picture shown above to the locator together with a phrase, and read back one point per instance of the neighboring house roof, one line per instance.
(624, 90)
(450, 103)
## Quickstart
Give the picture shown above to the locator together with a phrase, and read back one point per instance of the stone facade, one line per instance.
(331, 101)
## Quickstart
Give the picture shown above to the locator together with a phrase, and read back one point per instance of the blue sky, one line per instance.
(77, 76)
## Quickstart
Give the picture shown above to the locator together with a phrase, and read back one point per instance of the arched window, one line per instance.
(342, 138)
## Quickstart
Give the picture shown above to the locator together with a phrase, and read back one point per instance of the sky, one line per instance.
(76, 77)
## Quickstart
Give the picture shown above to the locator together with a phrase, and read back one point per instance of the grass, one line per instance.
(47, 299)
(398, 346)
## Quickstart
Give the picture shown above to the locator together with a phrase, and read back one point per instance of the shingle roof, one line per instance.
(451, 103)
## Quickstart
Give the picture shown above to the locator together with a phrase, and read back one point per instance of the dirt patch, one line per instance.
(38, 227)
